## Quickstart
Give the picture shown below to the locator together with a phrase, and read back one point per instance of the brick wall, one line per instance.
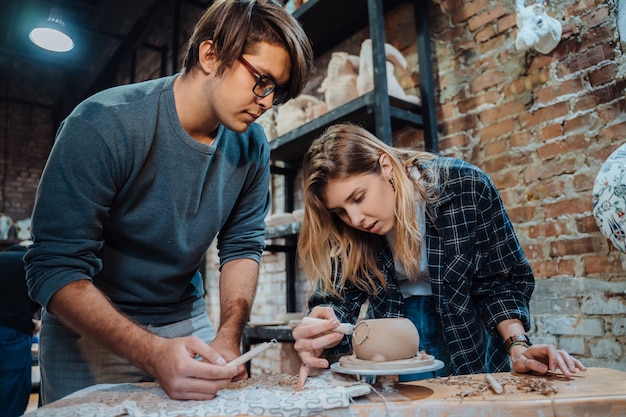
(541, 126)
(28, 120)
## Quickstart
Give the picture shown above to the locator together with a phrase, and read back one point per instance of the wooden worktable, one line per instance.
(599, 392)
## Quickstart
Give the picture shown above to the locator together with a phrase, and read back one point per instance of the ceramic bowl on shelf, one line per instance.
(609, 198)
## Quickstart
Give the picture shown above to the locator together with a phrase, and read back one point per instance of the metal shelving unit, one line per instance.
(326, 23)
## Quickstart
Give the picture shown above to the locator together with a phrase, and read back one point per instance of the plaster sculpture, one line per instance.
(339, 86)
(5, 226)
(395, 60)
(297, 112)
(268, 123)
(22, 229)
(381, 340)
(536, 29)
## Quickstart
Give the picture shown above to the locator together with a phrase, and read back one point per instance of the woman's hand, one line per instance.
(544, 358)
(312, 339)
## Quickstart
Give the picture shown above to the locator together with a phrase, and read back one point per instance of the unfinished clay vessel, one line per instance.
(382, 340)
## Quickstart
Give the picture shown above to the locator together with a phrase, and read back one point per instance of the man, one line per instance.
(139, 182)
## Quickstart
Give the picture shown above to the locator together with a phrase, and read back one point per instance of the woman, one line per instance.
(420, 236)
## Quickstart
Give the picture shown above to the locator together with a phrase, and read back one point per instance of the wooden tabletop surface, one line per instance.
(598, 392)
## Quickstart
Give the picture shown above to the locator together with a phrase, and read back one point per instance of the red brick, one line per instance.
(585, 59)
(547, 269)
(459, 124)
(586, 224)
(472, 103)
(551, 132)
(544, 114)
(555, 91)
(486, 33)
(468, 10)
(497, 130)
(502, 111)
(603, 75)
(584, 181)
(564, 247)
(485, 81)
(616, 132)
(560, 147)
(528, 83)
(557, 228)
(603, 264)
(567, 206)
(520, 139)
(458, 140)
(496, 147)
(521, 214)
(597, 17)
(488, 16)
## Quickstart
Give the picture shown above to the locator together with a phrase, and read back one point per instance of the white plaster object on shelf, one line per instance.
(298, 214)
(536, 29)
(268, 123)
(276, 219)
(395, 61)
(297, 112)
(22, 229)
(5, 226)
(339, 85)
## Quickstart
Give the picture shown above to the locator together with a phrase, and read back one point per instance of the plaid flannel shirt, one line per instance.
(478, 272)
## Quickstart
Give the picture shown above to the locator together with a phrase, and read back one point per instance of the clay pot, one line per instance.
(382, 340)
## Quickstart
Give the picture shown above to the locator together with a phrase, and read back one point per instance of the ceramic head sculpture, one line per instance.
(339, 86)
(297, 112)
(536, 29)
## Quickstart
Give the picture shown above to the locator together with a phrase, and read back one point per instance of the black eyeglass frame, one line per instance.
(281, 94)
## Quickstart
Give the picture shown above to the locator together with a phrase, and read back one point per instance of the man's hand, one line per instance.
(230, 352)
(189, 369)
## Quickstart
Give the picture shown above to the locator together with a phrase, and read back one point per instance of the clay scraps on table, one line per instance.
(469, 386)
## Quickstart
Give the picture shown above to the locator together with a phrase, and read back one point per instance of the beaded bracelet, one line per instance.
(518, 339)
(517, 344)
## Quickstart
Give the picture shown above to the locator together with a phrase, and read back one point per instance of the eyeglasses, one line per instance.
(266, 85)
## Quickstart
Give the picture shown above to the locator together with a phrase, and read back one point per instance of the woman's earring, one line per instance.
(392, 183)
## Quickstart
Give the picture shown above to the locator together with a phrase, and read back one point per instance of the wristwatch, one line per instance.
(518, 339)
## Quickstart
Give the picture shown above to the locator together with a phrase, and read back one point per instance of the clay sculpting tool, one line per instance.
(252, 353)
(345, 328)
(495, 385)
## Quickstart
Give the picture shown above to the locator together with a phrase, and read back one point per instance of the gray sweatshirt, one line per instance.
(130, 200)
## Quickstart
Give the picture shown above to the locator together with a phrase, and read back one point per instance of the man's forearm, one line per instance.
(82, 307)
(238, 282)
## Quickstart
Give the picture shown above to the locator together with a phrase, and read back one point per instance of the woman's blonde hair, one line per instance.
(326, 241)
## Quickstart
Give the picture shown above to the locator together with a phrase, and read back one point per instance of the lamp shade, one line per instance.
(51, 35)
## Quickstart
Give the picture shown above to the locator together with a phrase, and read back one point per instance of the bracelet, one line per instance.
(518, 339)
(516, 344)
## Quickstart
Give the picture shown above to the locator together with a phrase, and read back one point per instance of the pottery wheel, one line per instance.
(355, 366)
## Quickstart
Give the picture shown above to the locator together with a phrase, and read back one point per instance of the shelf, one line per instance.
(291, 146)
(340, 20)
(282, 230)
